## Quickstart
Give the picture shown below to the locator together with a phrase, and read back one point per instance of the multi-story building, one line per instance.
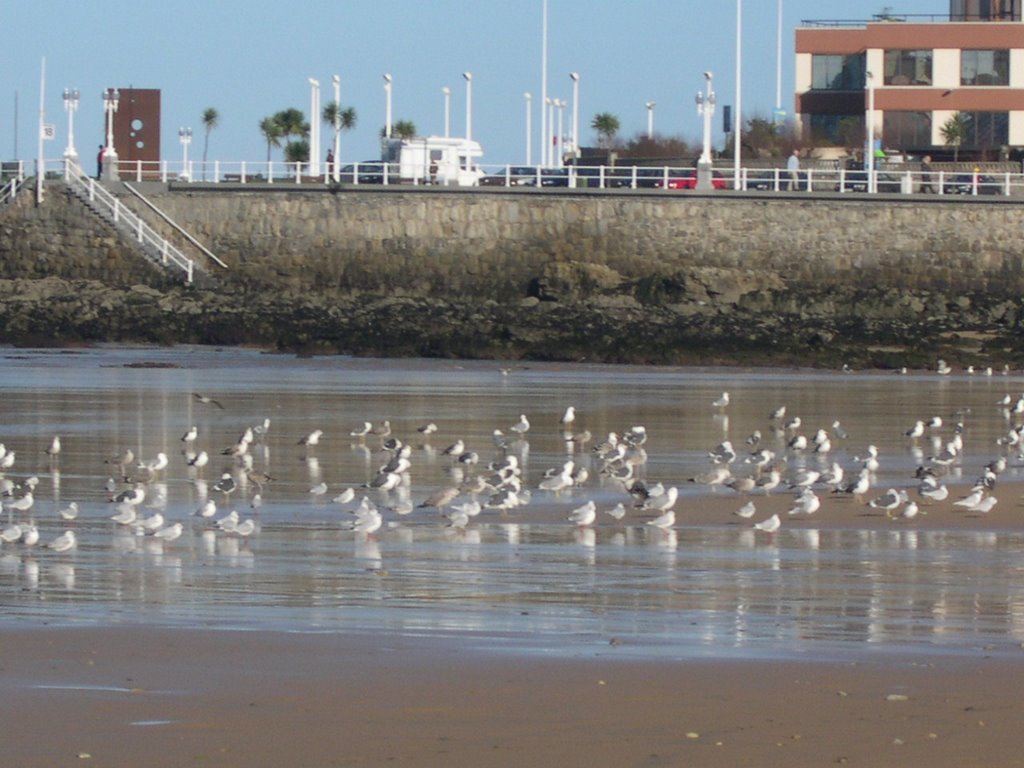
(919, 72)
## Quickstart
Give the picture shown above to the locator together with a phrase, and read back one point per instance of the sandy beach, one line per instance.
(150, 695)
(157, 697)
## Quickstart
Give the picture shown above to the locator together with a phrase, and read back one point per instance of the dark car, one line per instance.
(966, 183)
(513, 176)
(527, 176)
(857, 181)
(369, 172)
(764, 181)
(593, 176)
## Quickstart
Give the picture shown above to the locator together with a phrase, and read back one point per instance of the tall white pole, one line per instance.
(71, 98)
(40, 163)
(387, 106)
(314, 127)
(737, 118)
(575, 147)
(529, 120)
(336, 170)
(650, 119)
(469, 104)
(869, 158)
(544, 102)
(778, 60)
(447, 111)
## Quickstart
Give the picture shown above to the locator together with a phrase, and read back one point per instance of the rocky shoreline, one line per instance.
(671, 321)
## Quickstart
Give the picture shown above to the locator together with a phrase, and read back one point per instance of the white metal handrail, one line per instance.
(891, 178)
(129, 221)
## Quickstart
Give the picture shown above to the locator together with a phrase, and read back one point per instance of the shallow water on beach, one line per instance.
(526, 581)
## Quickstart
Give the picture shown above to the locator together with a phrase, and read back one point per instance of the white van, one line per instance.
(435, 160)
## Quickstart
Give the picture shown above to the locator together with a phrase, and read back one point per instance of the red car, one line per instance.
(690, 182)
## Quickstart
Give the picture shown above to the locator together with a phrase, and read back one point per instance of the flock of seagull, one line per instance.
(784, 458)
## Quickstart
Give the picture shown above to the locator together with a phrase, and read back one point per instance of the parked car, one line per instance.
(764, 181)
(964, 184)
(689, 181)
(613, 178)
(526, 176)
(370, 172)
(857, 181)
(513, 176)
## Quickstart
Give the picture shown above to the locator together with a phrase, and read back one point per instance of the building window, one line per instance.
(836, 72)
(986, 130)
(906, 130)
(985, 67)
(837, 130)
(984, 10)
(908, 67)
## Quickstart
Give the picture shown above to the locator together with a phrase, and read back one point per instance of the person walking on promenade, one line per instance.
(926, 175)
(99, 163)
(793, 166)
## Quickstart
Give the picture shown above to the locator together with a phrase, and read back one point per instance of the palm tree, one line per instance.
(210, 120)
(272, 133)
(953, 133)
(607, 125)
(341, 119)
(404, 129)
(296, 151)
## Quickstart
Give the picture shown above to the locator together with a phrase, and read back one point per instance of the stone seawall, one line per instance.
(620, 276)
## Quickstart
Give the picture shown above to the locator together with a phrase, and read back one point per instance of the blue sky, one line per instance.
(250, 58)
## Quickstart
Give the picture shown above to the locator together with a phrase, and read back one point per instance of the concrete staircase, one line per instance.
(147, 241)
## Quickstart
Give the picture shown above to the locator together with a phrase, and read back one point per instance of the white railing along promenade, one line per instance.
(126, 220)
(9, 189)
(893, 178)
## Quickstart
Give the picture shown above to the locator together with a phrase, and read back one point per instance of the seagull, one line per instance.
(361, 431)
(170, 533)
(584, 515)
(915, 431)
(568, 418)
(522, 426)
(942, 368)
(722, 401)
(838, 430)
(125, 514)
(909, 511)
(984, 506)
(455, 449)
(191, 435)
(205, 400)
(427, 429)
(10, 533)
(23, 504)
(345, 496)
(29, 535)
(228, 522)
(662, 502)
(771, 525)
(440, 498)
(245, 528)
(972, 500)
(665, 521)
(383, 429)
(200, 460)
(934, 492)
(70, 512)
(560, 481)
(617, 512)
(807, 503)
(318, 490)
(64, 542)
(313, 438)
(778, 414)
(889, 500)
(747, 511)
(226, 484)
(154, 465)
(208, 510)
(54, 448)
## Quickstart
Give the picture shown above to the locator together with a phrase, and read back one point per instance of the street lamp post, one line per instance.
(71, 99)
(560, 136)
(469, 104)
(111, 99)
(549, 120)
(650, 119)
(387, 106)
(544, 98)
(575, 146)
(185, 137)
(869, 152)
(529, 120)
(706, 108)
(314, 127)
(335, 168)
(447, 111)
(737, 118)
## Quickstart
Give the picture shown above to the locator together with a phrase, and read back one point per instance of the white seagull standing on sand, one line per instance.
(584, 515)
(771, 525)
(64, 542)
(522, 426)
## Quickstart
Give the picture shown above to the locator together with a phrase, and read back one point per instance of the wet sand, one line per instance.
(156, 697)
(148, 695)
